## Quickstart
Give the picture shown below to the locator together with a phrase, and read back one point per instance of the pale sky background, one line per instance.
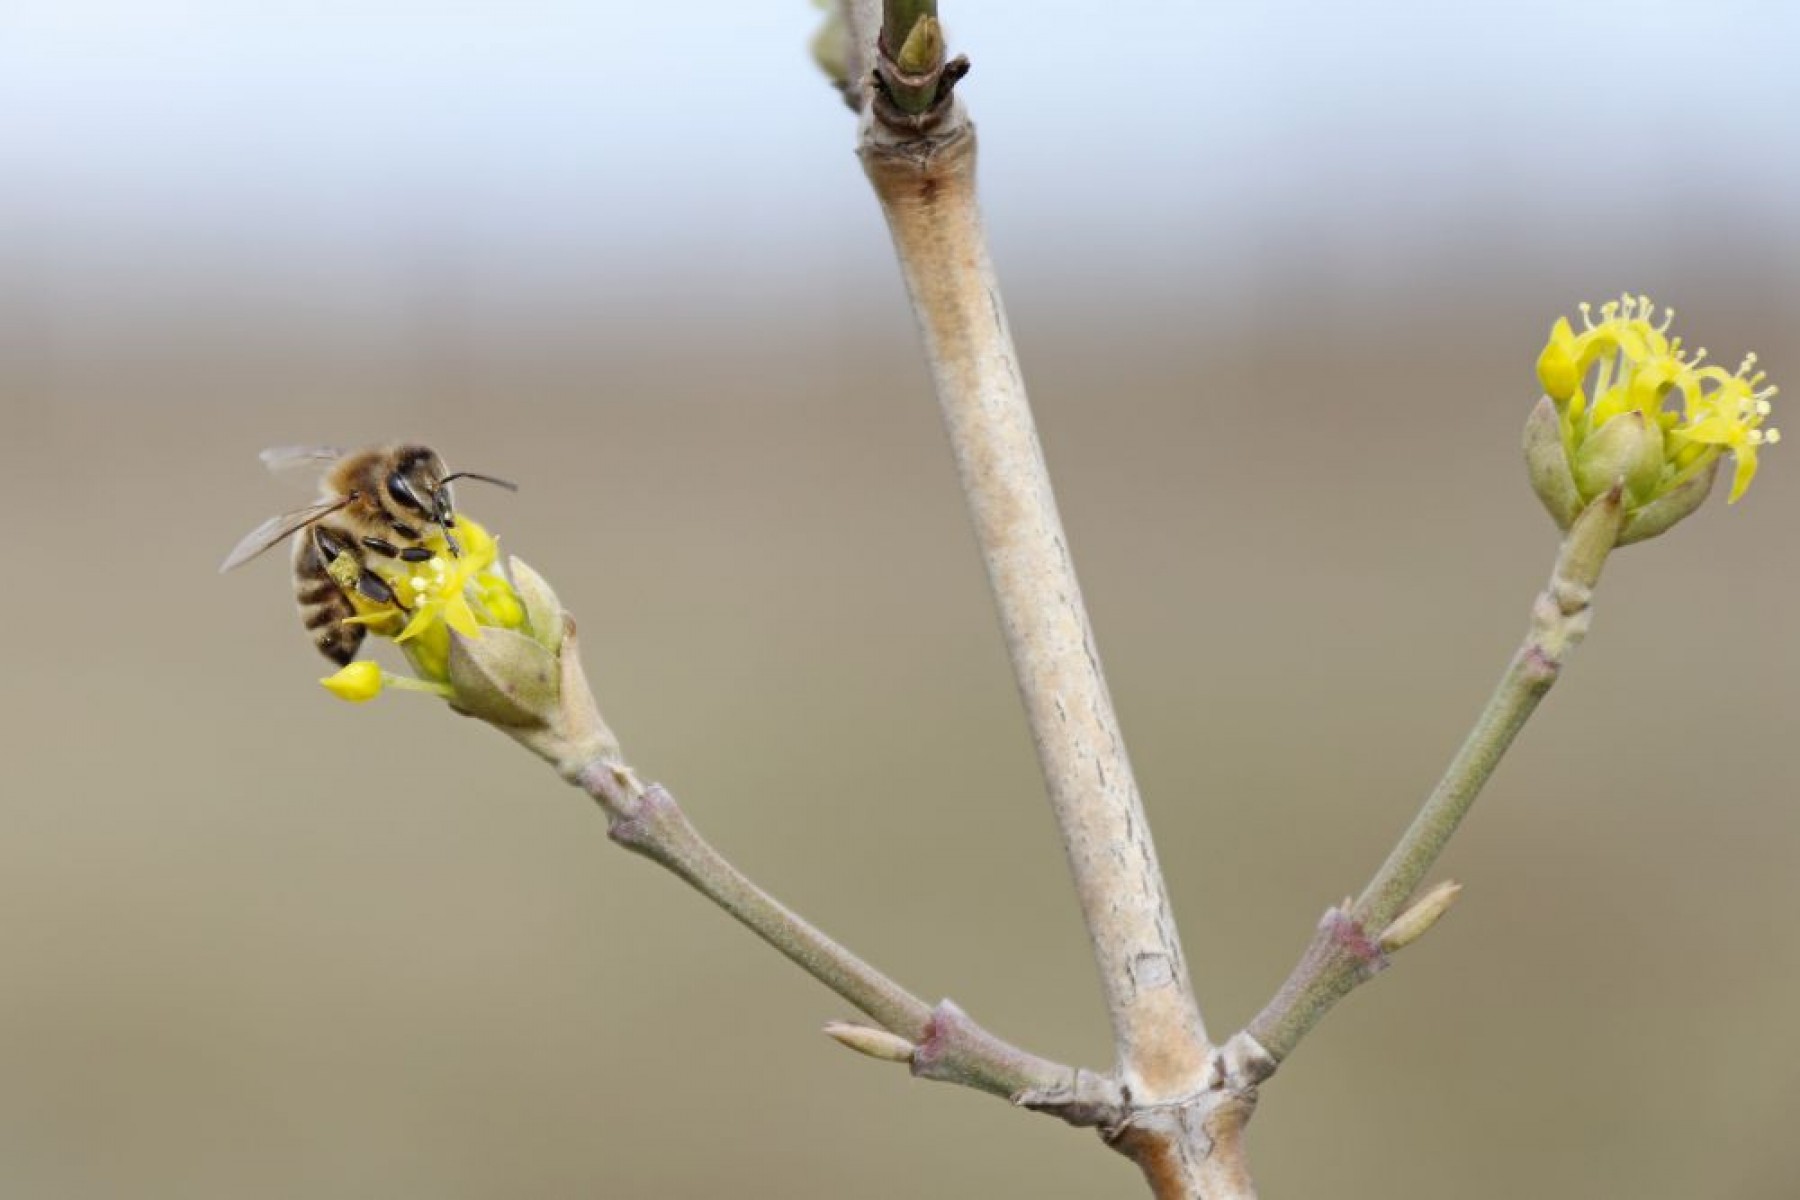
(165, 155)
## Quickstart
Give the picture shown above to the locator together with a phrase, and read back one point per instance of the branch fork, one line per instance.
(1175, 1103)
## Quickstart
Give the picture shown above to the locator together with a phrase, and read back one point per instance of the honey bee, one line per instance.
(383, 500)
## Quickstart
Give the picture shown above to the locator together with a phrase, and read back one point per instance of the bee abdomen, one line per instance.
(337, 641)
(324, 607)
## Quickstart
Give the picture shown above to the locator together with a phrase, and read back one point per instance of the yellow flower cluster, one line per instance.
(1612, 384)
(449, 593)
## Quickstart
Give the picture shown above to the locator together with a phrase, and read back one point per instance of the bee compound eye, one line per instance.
(401, 489)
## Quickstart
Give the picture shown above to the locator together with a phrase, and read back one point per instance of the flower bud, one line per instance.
(1419, 917)
(1547, 463)
(1674, 505)
(1627, 449)
(831, 43)
(505, 678)
(356, 682)
(1557, 370)
(543, 611)
(876, 1043)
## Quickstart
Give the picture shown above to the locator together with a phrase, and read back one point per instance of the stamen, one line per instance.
(1587, 313)
(1668, 320)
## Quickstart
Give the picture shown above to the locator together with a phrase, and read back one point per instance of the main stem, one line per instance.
(927, 191)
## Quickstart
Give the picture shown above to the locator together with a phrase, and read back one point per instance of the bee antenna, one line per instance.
(507, 484)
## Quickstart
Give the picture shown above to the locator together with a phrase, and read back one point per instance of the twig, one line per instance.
(1347, 948)
(947, 1045)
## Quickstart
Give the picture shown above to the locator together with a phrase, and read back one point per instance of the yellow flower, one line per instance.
(363, 680)
(494, 644)
(357, 682)
(461, 593)
(1556, 365)
(1731, 416)
(1634, 407)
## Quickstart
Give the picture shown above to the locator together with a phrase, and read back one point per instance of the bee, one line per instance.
(381, 500)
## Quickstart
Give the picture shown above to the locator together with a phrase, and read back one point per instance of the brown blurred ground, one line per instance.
(261, 943)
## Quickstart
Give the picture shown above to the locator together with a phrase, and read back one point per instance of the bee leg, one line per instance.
(329, 545)
(371, 586)
(411, 554)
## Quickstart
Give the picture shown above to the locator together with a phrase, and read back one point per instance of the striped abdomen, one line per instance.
(323, 605)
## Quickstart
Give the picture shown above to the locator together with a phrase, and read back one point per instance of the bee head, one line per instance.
(418, 487)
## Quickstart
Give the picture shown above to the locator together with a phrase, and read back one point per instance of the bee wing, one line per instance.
(287, 458)
(277, 529)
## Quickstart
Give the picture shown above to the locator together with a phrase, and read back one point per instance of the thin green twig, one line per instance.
(1346, 950)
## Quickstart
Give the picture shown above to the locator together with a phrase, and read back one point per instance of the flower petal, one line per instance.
(356, 682)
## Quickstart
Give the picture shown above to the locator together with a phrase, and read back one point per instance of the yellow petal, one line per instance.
(478, 543)
(1714, 430)
(357, 682)
(421, 621)
(504, 608)
(1745, 454)
(460, 617)
(1556, 365)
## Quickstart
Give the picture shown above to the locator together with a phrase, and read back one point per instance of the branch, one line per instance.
(922, 167)
(943, 1043)
(1352, 942)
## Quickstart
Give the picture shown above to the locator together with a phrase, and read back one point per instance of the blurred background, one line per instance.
(1279, 273)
